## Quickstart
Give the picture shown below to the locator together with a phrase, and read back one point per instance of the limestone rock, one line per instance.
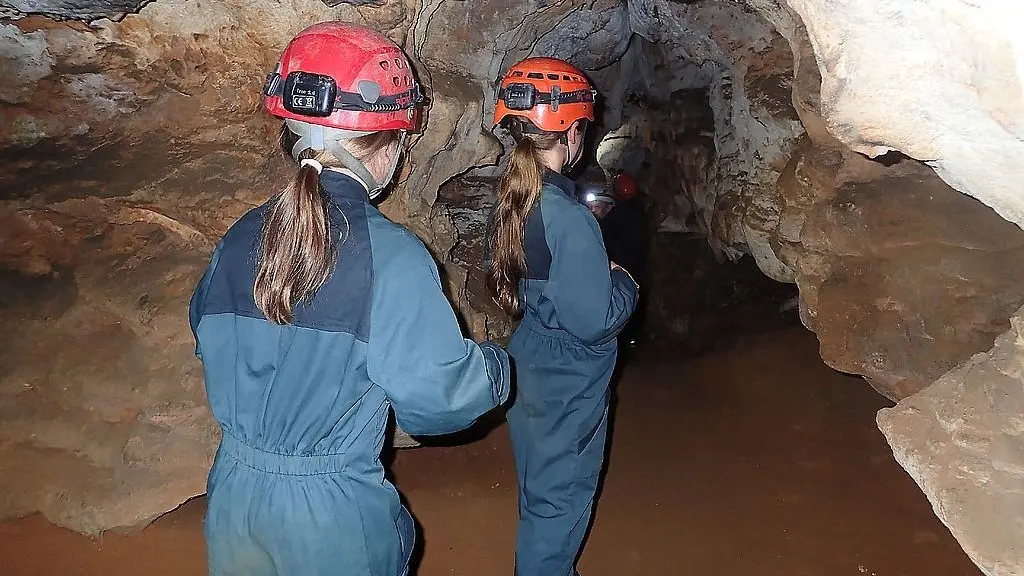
(468, 201)
(962, 440)
(103, 419)
(747, 68)
(901, 277)
(965, 61)
(75, 9)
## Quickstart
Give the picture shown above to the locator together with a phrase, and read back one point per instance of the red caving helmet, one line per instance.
(344, 76)
(624, 186)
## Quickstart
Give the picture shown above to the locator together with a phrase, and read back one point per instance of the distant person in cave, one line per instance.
(593, 191)
(627, 236)
(315, 317)
(547, 265)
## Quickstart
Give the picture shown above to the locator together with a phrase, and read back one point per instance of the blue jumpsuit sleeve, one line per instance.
(592, 301)
(437, 381)
(195, 305)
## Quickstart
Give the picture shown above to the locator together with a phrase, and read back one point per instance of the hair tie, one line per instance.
(310, 162)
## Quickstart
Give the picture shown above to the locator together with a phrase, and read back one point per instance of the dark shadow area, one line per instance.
(698, 305)
(890, 158)
(42, 297)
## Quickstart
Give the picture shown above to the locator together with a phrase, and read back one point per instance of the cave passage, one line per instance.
(735, 450)
(755, 459)
(694, 301)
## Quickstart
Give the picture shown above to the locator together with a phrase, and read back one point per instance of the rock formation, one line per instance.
(960, 439)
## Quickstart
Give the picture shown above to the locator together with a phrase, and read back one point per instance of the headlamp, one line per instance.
(522, 96)
(308, 94)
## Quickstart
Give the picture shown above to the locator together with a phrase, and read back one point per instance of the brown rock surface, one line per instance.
(962, 440)
(103, 420)
(901, 277)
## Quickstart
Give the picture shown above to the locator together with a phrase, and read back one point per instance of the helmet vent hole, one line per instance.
(384, 65)
(517, 74)
(552, 76)
(396, 80)
(399, 64)
(405, 81)
(535, 75)
(567, 79)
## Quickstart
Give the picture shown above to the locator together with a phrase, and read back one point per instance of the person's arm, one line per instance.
(437, 381)
(592, 301)
(195, 305)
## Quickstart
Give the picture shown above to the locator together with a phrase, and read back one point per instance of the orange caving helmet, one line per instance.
(550, 93)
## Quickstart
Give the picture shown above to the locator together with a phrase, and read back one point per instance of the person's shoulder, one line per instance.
(565, 216)
(395, 247)
(555, 199)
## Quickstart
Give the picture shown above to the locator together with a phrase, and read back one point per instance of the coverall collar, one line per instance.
(561, 182)
(341, 186)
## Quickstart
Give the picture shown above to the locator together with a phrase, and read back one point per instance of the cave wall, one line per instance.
(128, 148)
(964, 63)
(901, 277)
(960, 439)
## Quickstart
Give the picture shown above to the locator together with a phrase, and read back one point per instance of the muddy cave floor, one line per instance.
(755, 459)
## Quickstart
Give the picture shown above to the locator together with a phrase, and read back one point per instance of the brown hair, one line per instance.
(297, 248)
(518, 191)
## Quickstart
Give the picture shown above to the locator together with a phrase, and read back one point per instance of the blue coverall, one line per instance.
(297, 487)
(564, 352)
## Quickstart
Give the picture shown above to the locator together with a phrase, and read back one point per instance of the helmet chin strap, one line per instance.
(390, 174)
(576, 157)
(330, 139)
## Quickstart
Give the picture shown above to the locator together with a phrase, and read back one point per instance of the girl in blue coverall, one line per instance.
(547, 264)
(317, 315)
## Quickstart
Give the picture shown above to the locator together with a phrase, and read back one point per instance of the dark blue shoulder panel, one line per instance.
(535, 245)
(341, 305)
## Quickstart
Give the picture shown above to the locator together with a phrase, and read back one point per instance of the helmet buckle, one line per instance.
(369, 91)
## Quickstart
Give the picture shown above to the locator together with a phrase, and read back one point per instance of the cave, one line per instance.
(829, 177)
